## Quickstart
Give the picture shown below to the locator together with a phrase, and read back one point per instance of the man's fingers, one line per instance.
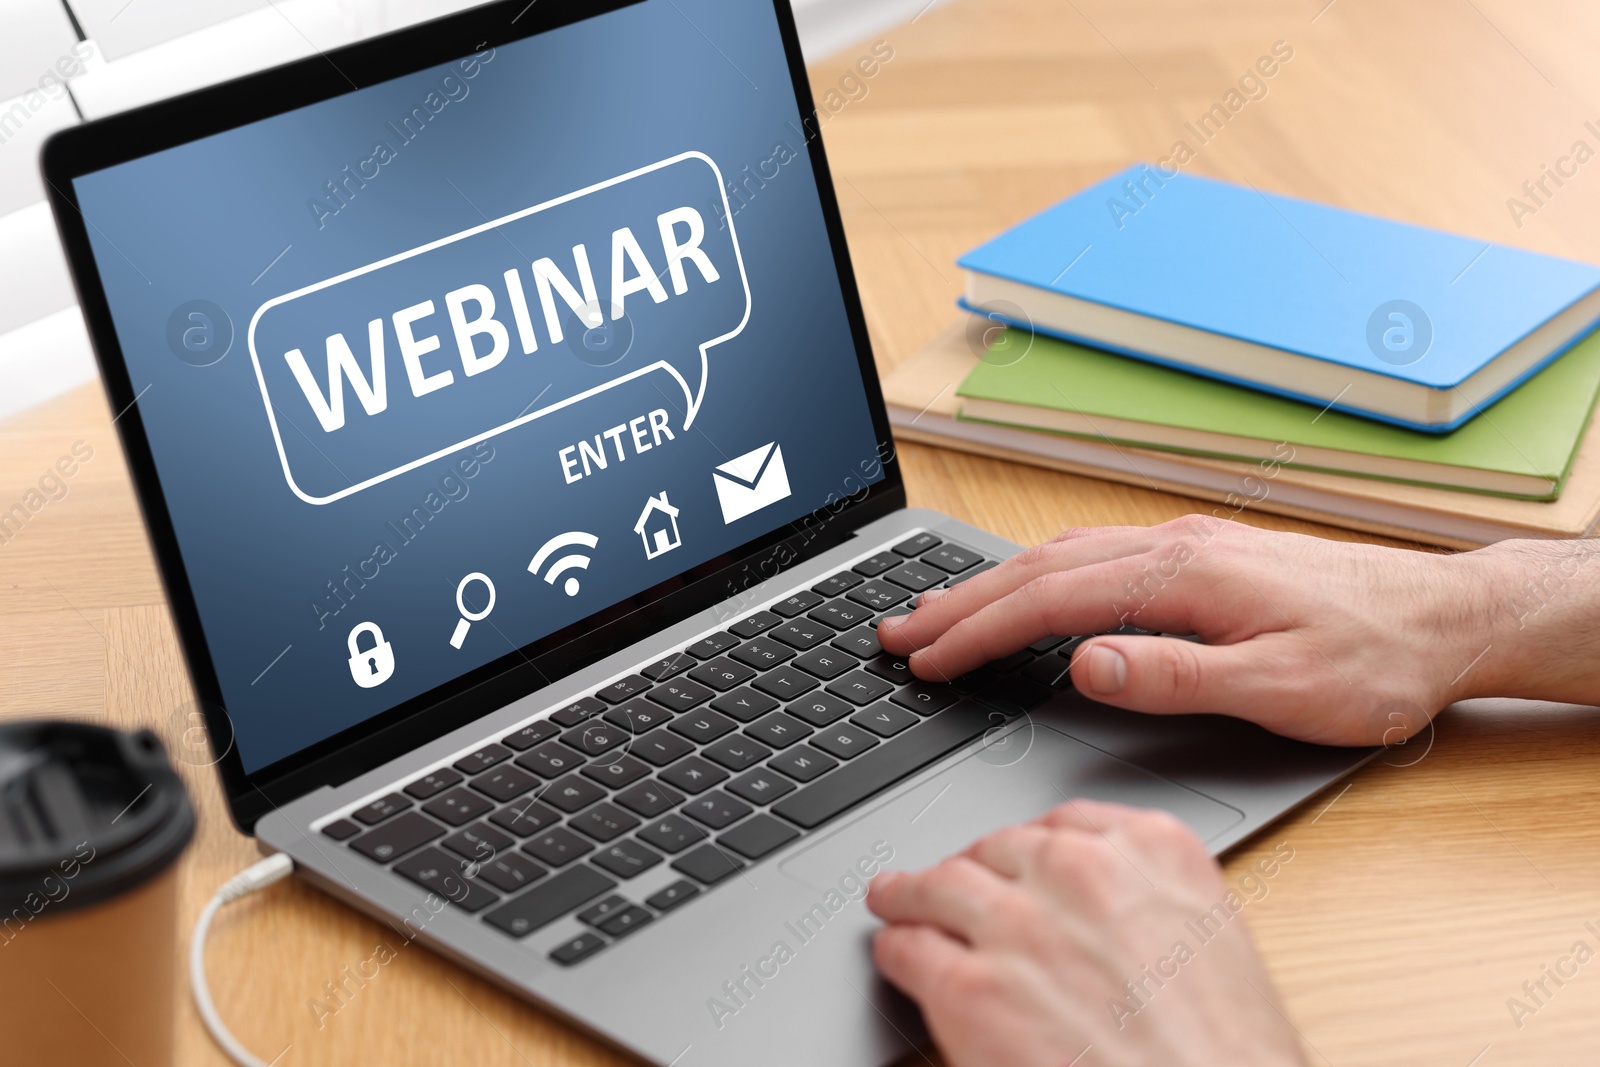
(1009, 852)
(940, 609)
(1263, 679)
(959, 896)
(917, 958)
(1088, 600)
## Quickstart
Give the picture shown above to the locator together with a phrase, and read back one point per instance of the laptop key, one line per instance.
(896, 669)
(341, 829)
(802, 634)
(526, 817)
(551, 759)
(660, 747)
(916, 546)
(744, 704)
(681, 695)
(885, 719)
(603, 822)
(879, 596)
(377, 811)
(1050, 670)
(762, 653)
(623, 688)
(844, 741)
(803, 763)
(535, 733)
(837, 584)
(760, 787)
(826, 663)
(483, 759)
(673, 895)
(397, 837)
(625, 859)
(722, 674)
(861, 642)
(821, 709)
(880, 768)
(713, 646)
(841, 614)
(758, 837)
(1012, 663)
(434, 783)
(604, 909)
(876, 565)
(458, 807)
(596, 737)
(925, 698)
(557, 847)
(778, 729)
(615, 771)
(952, 558)
(785, 683)
(504, 783)
(638, 715)
(626, 922)
(798, 604)
(916, 577)
(668, 667)
(860, 688)
(478, 842)
(578, 949)
(649, 799)
(672, 834)
(760, 622)
(549, 901)
(693, 775)
(1046, 644)
(510, 872)
(974, 572)
(577, 711)
(703, 726)
(737, 753)
(572, 793)
(708, 864)
(1013, 695)
(716, 810)
(435, 871)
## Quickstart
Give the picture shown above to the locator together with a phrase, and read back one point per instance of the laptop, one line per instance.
(500, 404)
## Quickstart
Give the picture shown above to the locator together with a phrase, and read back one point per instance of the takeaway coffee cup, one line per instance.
(91, 822)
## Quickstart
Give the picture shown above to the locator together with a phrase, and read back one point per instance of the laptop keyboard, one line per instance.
(707, 760)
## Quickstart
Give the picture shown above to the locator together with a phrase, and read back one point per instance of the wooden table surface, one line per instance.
(1419, 899)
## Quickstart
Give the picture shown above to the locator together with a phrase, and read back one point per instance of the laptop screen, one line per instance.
(442, 366)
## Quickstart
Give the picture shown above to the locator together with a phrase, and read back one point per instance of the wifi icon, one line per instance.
(572, 561)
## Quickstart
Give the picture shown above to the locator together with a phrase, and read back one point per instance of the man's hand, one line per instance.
(1043, 942)
(1318, 640)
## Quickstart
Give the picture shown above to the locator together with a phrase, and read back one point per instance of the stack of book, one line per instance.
(1270, 353)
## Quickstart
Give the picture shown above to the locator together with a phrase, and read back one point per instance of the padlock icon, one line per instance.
(372, 668)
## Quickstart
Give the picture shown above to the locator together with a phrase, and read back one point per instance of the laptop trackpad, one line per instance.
(1012, 779)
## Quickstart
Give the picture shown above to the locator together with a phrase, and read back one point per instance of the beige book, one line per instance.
(923, 405)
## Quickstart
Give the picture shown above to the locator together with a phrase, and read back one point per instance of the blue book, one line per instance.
(1394, 322)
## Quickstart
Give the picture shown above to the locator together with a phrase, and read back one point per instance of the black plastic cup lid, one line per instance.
(86, 814)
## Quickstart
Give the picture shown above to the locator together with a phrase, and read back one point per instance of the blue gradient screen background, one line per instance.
(280, 583)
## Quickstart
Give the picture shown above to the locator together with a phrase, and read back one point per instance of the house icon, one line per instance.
(658, 527)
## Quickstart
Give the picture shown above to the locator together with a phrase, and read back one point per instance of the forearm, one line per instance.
(1542, 641)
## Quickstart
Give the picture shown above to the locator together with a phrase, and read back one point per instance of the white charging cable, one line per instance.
(247, 881)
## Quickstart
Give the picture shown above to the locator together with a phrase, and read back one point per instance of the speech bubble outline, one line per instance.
(693, 398)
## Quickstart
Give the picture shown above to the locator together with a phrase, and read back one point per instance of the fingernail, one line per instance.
(1108, 671)
(893, 622)
(930, 596)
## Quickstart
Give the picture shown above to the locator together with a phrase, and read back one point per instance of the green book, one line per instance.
(1522, 446)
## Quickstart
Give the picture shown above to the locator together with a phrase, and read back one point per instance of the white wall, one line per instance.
(158, 48)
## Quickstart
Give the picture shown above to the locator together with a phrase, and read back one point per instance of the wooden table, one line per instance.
(1418, 900)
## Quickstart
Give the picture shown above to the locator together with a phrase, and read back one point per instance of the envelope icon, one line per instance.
(750, 482)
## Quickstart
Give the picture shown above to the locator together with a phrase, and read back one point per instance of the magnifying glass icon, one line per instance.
(470, 617)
